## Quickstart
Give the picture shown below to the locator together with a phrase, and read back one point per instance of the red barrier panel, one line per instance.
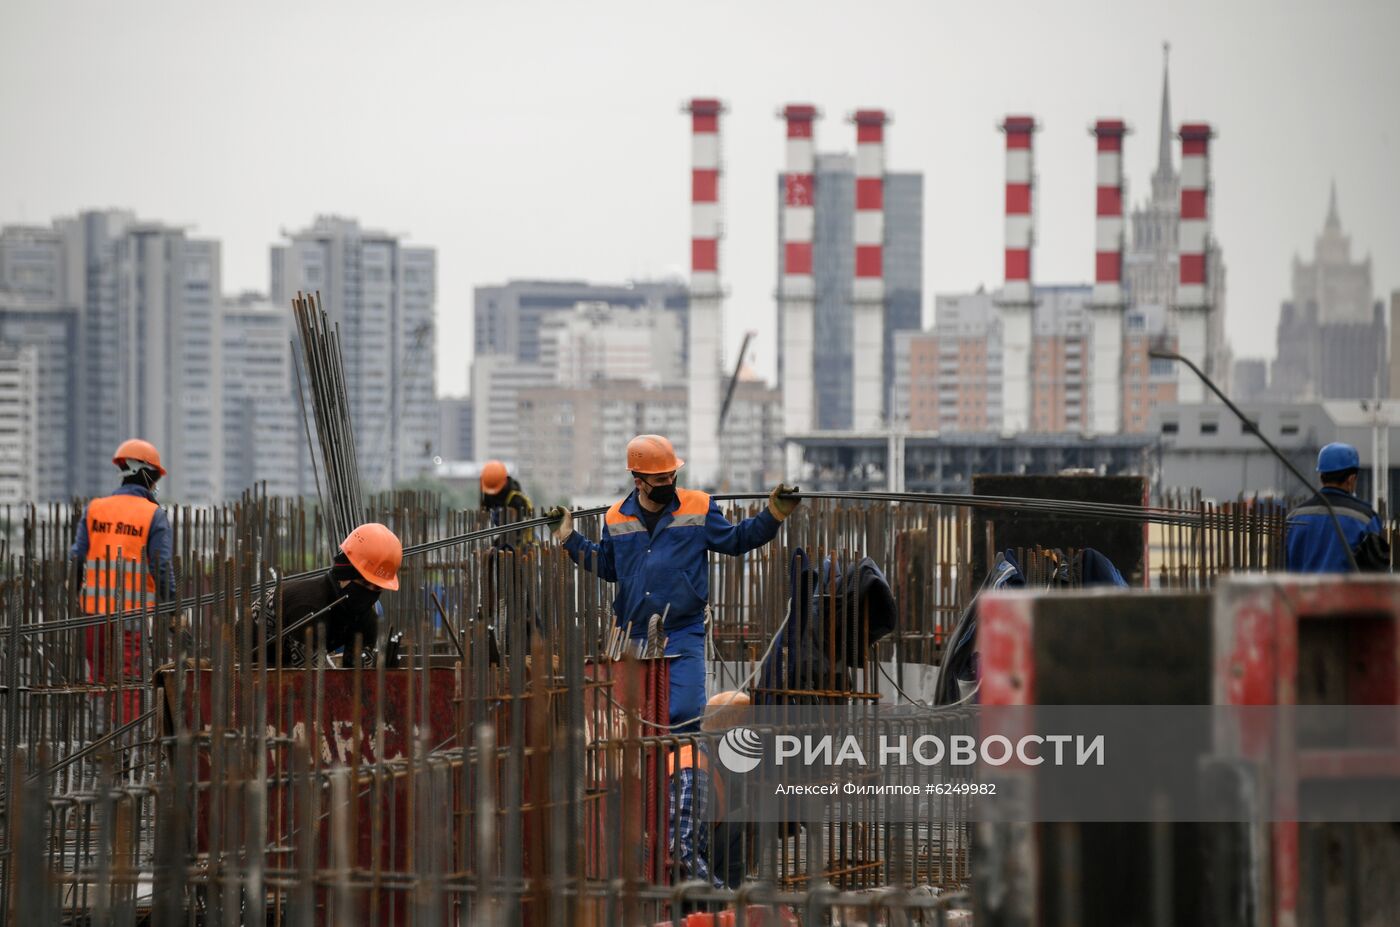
(1299, 640)
(633, 700)
(330, 737)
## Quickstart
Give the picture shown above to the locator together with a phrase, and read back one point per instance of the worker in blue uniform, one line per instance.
(1312, 541)
(654, 546)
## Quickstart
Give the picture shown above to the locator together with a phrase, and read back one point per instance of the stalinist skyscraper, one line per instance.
(1150, 264)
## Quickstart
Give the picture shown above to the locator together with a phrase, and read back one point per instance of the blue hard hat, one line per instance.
(1338, 456)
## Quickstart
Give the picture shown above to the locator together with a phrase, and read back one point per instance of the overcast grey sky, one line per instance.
(530, 139)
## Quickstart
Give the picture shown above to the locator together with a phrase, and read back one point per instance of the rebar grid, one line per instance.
(510, 772)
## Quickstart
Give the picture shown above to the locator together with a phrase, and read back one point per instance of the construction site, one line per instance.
(502, 756)
(501, 748)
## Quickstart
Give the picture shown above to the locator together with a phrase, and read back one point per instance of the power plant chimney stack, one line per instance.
(798, 305)
(1107, 305)
(706, 296)
(1017, 304)
(868, 288)
(1192, 291)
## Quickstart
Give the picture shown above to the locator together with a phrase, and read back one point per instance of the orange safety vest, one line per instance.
(693, 506)
(688, 757)
(118, 529)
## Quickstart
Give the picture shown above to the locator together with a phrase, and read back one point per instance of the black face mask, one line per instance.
(358, 598)
(662, 495)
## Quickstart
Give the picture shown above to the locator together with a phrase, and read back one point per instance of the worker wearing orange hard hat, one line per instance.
(655, 545)
(123, 544)
(503, 500)
(332, 609)
(704, 843)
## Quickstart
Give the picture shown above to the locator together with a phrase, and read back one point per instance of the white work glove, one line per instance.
(561, 523)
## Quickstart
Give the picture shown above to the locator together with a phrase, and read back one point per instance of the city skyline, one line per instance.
(487, 186)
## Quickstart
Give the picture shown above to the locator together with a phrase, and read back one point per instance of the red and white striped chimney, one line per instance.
(1193, 243)
(868, 288)
(1106, 306)
(798, 295)
(1017, 303)
(706, 296)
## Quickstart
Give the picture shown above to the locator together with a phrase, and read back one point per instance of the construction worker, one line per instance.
(124, 544)
(705, 844)
(1312, 541)
(654, 546)
(338, 603)
(503, 500)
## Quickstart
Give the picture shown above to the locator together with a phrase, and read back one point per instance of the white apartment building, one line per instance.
(599, 341)
(19, 379)
(497, 380)
(52, 330)
(264, 437)
(382, 294)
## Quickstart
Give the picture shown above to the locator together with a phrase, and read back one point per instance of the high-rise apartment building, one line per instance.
(508, 318)
(497, 380)
(19, 439)
(145, 355)
(833, 268)
(166, 344)
(90, 242)
(52, 331)
(381, 293)
(264, 438)
(599, 341)
(1332, 334)
(455, 415)
(949, 378)
(751, 436)
(34, 264)
(538, 333)
(573, 439)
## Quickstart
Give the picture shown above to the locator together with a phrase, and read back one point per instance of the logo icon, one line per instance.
(740, 750)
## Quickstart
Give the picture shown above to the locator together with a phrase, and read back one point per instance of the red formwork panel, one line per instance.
(1271, 633)
(1257, 629)
(1085, 647)
(291, 715)
(627, 699)
(623, 700)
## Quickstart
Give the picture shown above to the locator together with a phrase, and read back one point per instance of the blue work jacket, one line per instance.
(668, 566)
(1313, 545)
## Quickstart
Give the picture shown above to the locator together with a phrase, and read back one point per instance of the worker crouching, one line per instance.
(706, 843)
(333, 609)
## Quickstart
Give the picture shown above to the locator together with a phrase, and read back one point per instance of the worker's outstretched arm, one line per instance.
(725, 538)
(596, 557)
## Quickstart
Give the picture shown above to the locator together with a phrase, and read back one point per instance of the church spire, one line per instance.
(1164, 177)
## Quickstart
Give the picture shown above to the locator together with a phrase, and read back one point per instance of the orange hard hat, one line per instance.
(136, 449)
(376, 553)
(652, 454)
(725, 709)
(493, 477)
